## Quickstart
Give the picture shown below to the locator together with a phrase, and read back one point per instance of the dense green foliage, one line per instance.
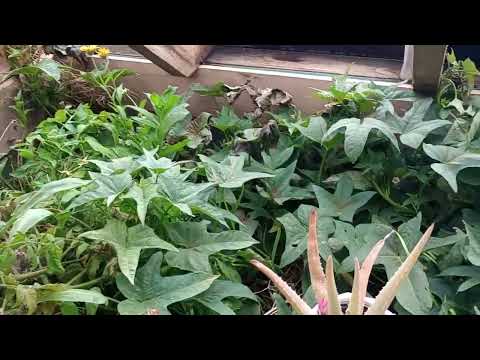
(145, 209)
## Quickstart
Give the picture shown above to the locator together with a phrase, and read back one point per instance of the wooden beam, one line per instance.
(178, 60)
(427, 67)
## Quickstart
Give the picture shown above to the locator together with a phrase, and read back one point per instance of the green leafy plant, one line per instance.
(324, 286)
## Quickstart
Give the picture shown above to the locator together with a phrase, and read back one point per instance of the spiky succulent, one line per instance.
(324, 286)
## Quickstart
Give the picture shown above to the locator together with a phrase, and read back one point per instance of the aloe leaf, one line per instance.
(387, 294)
(288, 293)
(317, 275)
(332, 293)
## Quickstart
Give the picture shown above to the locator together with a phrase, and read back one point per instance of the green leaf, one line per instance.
(341, 204)
(54, 258)
(153, 291)
(282, 306)
(127, 164)
(107, 186)
(316, 129)
(473, 252)
(47, 191)
(227, 120)
(229, 173)
(182, 194)
(358, 180)
(452, 161)
(279, 189)
(142, 193)
(213, 212)
(411, 127)
(414, 294)
(197, 244)
(72, 295)
(128, 243)
(95, 145)
(468, 284)
(296, 229)
(356, 134)
(221, 289)
(69, 308)
(149, 161)
(28, 220)
(50, 67)
(277, 157)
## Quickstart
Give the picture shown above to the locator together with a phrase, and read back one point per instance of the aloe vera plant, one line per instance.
(323, 283)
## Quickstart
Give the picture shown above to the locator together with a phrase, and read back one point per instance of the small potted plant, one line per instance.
(329, 302)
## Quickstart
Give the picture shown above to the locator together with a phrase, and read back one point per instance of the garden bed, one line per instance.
(157, 203)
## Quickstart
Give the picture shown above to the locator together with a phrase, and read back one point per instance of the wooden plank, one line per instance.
(427, 67)
(305, 61)
(178, 60)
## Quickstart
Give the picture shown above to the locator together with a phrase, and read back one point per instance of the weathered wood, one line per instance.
(304, 61)
(427, 67)
(178, 60)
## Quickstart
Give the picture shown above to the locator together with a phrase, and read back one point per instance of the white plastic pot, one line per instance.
(344, 299)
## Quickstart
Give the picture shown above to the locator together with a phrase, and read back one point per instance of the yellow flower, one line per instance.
(103, 52)
(89, 49)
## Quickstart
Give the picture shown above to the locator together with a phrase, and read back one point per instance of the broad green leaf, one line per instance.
(468, 284)
(279, 189)
(221, 289)
(196, 244)
(356, 134)
(182, 194)
(107, 186)
(276, 158)
(213, 212)
(473, 252)
(316, 129)
(46, 192)
(50, 67)
(341, 204)
(127, 164)
(95, 145)
(282, 306)
(153, 291)
(149, 161)
(452, 161)
(296, 229)
(358, 180)
(128, 243)
(413, 294)
(411, 127)
(72, 295)
(229, 173)
(142, 193)
(470, 272)
(28, 220)
(228, 120)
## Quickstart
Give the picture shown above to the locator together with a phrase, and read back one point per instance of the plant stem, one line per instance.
(88, 283)
(29, 275)
(76, 277)
(322, 164)
(387, 198)
(275, 244)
